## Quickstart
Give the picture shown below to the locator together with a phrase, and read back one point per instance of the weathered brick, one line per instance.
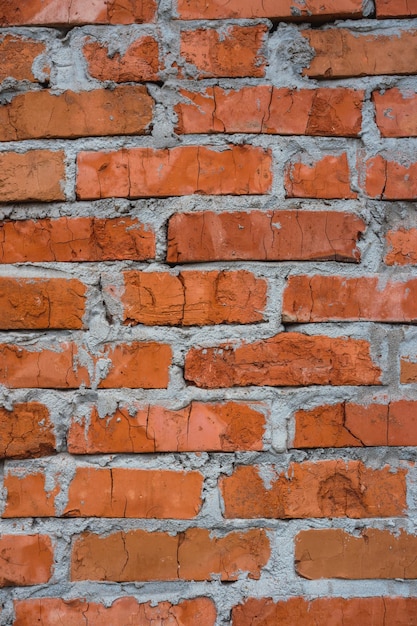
(329, 611)
(289, 10)
(146, 172)
(336, 298)
(27, 495)
(264, 236)
(327, 178)
(235, 53)
(340, 53)
(75, 12)
(265, 109)
(402, 247)
(17, 56)
(127, 110)
(396, 114)
(123, 492)
(125, 610)
(190, 555)
(73, 239)
(347, 424)
(34, 175)
(288, 359)
(198, 427)
(26, 431)
(408, 370)
(395, 8)
(140, 61)
(27, 303)
(316, 489)
(333, 553)
(390, 180)
(193, 298)
(25, 560)
(139, 364)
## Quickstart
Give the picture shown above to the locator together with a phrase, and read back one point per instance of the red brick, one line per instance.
(264, 236)
(135, 365)
(193, 298)
(27, 303)
(328, 611)
(395, 8)
(127, 110)
(190, 555)
(396, 114)
(198, 427)
(27, 495)
(347, 424)
(389, 180)
(125, 610)
(336, 298)
(289, 10)
(121, 492)
(140, 62)
(26, 431)
(328, 178)
(288, 359)
(235, 53)
(333, 553)
(265, 109)
(318, 489)
(145, 172)
(408, 370)
(34, 175)
(402, 245)
(340, 53)
(25, 560)
(17, 56)
(73, 239)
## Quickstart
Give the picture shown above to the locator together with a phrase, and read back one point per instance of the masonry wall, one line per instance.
(208, 293)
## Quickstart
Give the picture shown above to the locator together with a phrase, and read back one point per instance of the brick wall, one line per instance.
(208, 293)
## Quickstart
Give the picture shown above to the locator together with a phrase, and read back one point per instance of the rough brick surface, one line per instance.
(140, 62)
(33, 175)
(396, 113)
(27, 431)
(402, 247)
(327, 178)
(395, 8)
(18, 55)
(26, 560)
(390, 180)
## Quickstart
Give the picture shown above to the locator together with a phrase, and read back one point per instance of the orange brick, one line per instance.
(120, 492)
(264, 236)
(289, 10)
(288, 359)
(408, 370)
(329, 611)
(27, 495)
(140, 62)
(124, 610)
(402, 245)
(127, 110)
(73, 239)
(395, 8)
(26, 431)
(193, 298)
(25, 560)
(139, 364)
(317, 489)
(191, 555)
(389, 180)
(17, 56)
(333, 553)
(235, 53)
(34, 175)
(145, 172)
(340, 53)
(336, 298)
(396, 114)
(328, 178)
(27, 303)
(265, 109)
(74, 12)
(198, 427)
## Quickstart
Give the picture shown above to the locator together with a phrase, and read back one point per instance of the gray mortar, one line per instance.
(288, 53)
